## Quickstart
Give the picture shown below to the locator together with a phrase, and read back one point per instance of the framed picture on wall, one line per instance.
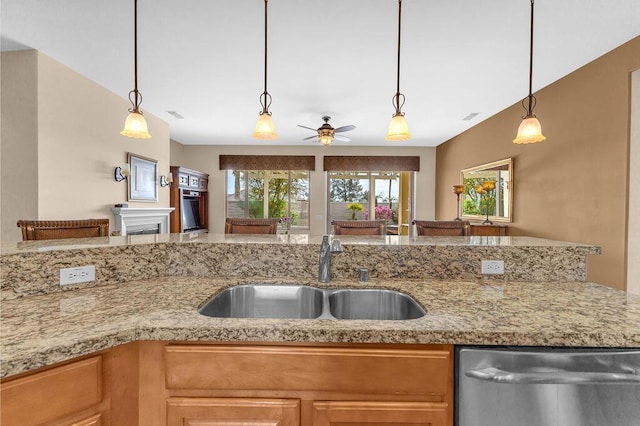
(143, 180)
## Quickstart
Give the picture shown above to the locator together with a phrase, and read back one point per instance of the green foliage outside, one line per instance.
(347, 190)
(278, 196)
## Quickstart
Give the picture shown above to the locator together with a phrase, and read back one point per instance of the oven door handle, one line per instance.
(557, 377)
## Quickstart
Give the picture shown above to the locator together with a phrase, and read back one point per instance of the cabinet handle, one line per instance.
(558, 377)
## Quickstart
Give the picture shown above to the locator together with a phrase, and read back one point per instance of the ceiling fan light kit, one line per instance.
(326, 134)
(530, 129)
(398, 128)
(135, 126)
(265, 129)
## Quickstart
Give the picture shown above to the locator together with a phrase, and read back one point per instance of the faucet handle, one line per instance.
(336, 246)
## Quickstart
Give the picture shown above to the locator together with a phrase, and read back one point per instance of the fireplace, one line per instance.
(132, 221)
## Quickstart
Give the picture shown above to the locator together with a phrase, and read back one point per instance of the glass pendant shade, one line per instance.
(265, 128)
(529, 131)
(326, 140)
(398, 129)
(135, 126)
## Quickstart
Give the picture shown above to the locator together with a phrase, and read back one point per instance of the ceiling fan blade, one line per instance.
(345, 128)
(305, 127)
(310, 137)
(341, 138)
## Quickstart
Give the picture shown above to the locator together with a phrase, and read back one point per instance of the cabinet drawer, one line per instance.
(232, 411)
(379, 413)
(51, 394)
(332, 369)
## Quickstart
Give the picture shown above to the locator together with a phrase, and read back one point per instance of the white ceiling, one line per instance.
(204, 58)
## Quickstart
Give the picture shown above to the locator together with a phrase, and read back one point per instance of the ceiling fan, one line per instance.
(326, 133)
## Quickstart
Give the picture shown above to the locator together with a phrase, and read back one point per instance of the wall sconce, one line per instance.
(122, 173)
(166, 180)
(458, 189)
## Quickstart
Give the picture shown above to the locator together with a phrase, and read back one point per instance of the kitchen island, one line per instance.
(138, 321)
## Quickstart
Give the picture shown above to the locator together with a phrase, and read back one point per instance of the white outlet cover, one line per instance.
(492, 267)
(81, 274)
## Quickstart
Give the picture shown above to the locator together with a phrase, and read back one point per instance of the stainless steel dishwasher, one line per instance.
(547, 387)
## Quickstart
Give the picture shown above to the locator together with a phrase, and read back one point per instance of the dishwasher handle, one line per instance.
(557, 377)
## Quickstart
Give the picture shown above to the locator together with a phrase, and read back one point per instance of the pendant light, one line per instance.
(398, 129)
(530, 130)
(264, 127)
(135, 126)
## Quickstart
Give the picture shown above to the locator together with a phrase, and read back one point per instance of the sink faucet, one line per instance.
(326, 251)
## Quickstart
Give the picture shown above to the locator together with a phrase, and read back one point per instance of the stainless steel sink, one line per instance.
(266, 301)
(304, 302)
(373, 304)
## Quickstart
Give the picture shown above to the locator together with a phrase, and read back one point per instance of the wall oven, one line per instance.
(498, 386)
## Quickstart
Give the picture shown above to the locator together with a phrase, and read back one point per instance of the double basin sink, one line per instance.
(305, 302)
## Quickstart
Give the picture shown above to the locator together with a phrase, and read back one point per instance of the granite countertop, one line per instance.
(41, 330)
(23, 247)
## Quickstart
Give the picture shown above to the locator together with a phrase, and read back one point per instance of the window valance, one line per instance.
(267, 162)
(372, 163)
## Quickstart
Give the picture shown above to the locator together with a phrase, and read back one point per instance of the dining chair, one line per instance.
(235, 225)
(61, 229)
(359, 227)
(443, 227)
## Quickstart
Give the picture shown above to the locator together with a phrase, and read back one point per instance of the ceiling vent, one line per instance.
(471, 116)
(175, 114)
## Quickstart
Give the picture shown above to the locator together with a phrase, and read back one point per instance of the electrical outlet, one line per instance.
(81, 274)
(492, 267)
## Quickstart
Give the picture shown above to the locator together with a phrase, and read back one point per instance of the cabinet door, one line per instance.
(232, 412)
(333, 413)
(52, 394)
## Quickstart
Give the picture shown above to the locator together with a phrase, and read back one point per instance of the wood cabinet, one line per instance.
(493, 230)
(154, 383)
(189, 196)
(334, 413)
(232, 411)
(67, 395)
(324, 384)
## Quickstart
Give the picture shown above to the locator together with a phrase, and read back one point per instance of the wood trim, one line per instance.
(95, 420)
(377, 413)
(232, 411)
(52, 394)
(267, 162)
(371, 163)
(404, 373)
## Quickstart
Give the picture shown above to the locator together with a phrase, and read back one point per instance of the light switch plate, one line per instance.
(81, 274)
(492, 267)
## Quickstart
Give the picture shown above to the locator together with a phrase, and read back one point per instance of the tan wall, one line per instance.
(19, 140)
(79, 145)
(633, 235)
(573, 186)
(205, 159)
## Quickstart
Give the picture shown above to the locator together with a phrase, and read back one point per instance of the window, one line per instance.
(381, 195)
(281, 194)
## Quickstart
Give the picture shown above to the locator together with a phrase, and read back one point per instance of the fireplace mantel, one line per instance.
(126, 217)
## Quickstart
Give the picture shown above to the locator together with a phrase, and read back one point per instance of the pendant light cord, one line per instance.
(265, 98)
(396, 98)
(137, 97)
(531, 98)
